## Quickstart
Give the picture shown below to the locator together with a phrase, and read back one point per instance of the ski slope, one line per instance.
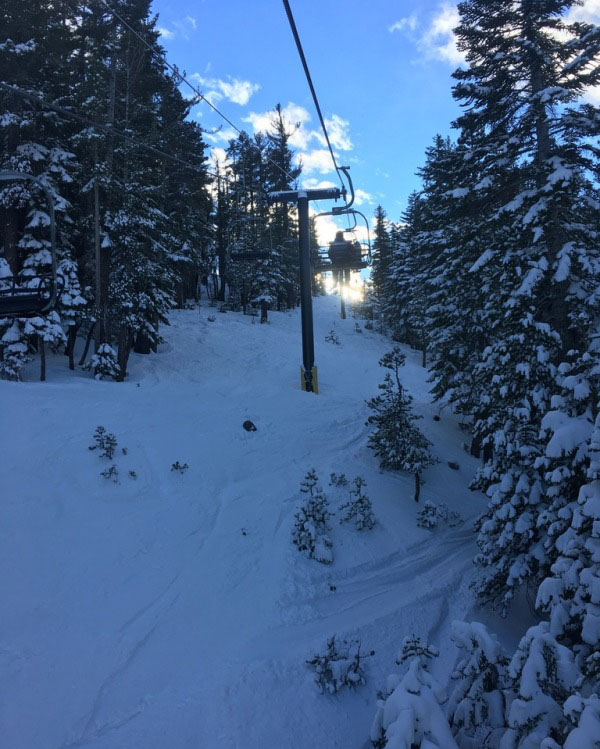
(171, 610)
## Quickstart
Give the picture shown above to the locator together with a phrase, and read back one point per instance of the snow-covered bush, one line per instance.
(542, 675)
(13, 351)
(104, 363)
(432, 515)
(339, 666)
(310, 529)
(584, 714)
(358, 508)
(409, 714)
(479, 702)
(397, 442)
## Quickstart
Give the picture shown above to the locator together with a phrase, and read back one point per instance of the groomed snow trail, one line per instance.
(172, 610)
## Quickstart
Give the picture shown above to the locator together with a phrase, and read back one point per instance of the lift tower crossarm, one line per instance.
(302, 199)
(291, 196)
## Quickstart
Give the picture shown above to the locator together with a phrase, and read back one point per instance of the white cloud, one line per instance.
(217, 157)
(338, 130)
(592, 95)
(318, 160)
(233, 89)
(182, 28)
(588, 12)
(223, 135)
(295, 118)
(409, 22)
(439, 42)
(326, 228)
(361, 197)
(312, 183)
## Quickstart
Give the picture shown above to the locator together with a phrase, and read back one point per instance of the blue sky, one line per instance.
(381, 71)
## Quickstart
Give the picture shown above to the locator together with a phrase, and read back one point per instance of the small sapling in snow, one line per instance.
(357, 328)
(211, 318)
(132, 474)
(339, 666)
(332, 337)
(309, 531)
(105, 442)
(177, 466)
(112, 472)
(338, 479)
(358, 508)
(124, 450)
(104, 363)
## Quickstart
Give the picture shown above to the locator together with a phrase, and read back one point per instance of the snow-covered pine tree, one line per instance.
(281, 174)
(542, 676)
(526, 70)
(382, 258)
(479, 703)
(397, 441)
(310, 528)
(409, 714)
(570, 594)
(358, 508)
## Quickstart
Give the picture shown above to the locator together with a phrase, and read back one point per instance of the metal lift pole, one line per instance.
(308, 338)
(302, 199)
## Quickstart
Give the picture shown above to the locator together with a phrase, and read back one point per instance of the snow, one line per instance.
(171, 609)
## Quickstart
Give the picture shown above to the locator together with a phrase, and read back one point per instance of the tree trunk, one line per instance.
(417, 485)
(71, 339)
(42, 351)
(263, 312)
(123, 352)
(142, 344)
(424, 360)
(88, 340)
(488, 452)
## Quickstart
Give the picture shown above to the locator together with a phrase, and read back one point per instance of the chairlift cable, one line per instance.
(109, 130)
(292, 23)
(183, 79)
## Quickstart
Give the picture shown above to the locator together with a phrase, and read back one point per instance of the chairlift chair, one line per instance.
(30, 301)
(240, 253)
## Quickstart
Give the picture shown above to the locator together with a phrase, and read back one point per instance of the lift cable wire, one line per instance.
(109, 130)
(183, 79)
(292, 23)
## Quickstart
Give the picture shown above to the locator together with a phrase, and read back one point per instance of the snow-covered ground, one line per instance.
(172, 610)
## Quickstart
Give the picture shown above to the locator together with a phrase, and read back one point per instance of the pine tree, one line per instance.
(310, 528)
(543, 676)
(409, 714)
(479, 702)
(382, 257)
(397, 441)
(359, 507)
(526, 69)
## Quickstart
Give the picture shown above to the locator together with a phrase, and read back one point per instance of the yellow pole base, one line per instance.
(315, 380)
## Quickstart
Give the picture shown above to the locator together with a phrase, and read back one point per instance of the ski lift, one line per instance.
(240, 253)
(345, 254)
(29, 301)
